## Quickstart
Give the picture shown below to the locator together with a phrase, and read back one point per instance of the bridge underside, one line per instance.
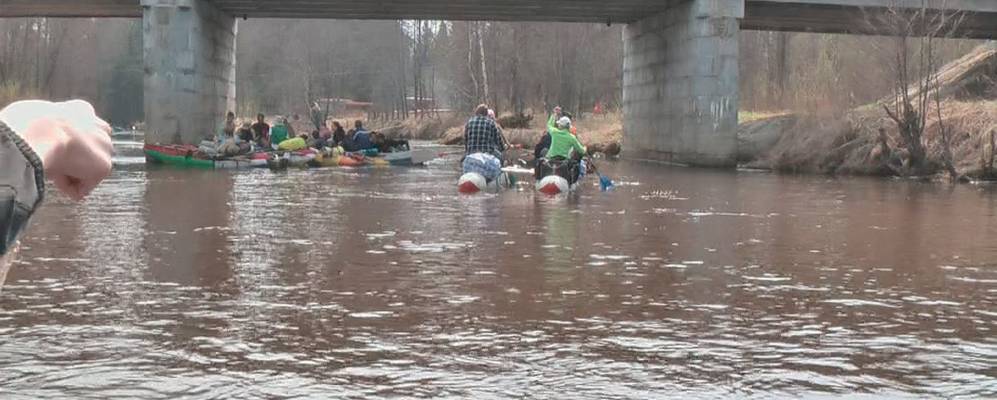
(977, 19)
(680, 75)
(826, 16)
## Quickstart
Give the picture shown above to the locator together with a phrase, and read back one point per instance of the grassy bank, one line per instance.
(866, 141)
(852, 144)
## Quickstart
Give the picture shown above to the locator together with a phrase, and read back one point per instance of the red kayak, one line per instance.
(175, 150)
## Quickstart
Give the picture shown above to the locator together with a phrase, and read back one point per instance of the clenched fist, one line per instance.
(72, 142)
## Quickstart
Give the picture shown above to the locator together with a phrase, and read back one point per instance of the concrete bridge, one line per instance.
(680, 78)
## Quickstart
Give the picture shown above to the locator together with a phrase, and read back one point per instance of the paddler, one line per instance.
(228, 127)
(541, 148)
(261, 131)
(278, 133)
(338, 135)
(358, 139)
(564, 145)
(483, 145)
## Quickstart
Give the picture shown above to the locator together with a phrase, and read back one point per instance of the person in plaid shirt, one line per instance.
(483, 145)
(481, 134)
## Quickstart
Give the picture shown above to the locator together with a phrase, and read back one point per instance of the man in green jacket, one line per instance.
(562, 143)
(564, 153)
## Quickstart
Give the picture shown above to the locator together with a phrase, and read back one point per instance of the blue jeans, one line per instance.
(485, 164)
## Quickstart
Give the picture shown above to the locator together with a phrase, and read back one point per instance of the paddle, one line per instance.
(449, 153)
(604, 182)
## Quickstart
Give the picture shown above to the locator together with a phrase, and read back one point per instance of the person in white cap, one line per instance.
(564, 146)
(562, 143)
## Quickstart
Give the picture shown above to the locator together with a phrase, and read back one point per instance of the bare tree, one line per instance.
(915, 62)
(484, 65)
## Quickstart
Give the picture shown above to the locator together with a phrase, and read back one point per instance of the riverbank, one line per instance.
(852, 143)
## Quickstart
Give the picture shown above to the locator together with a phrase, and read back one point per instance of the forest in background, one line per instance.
(517, 67)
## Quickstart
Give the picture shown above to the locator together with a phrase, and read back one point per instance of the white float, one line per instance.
(553, 185)
(471, 182)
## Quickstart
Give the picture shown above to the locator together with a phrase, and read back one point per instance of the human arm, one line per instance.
(65, 141)
(22, 186)
(578, 147)
(73, 144)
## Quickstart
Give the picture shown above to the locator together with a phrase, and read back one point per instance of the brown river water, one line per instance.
(384, 283)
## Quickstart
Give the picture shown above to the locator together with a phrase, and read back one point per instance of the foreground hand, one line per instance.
(72, 142)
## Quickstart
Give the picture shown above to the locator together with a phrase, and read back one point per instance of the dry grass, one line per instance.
(744, 117)
(603, 133)
(851, 145)
(422, 128)
(970, 124)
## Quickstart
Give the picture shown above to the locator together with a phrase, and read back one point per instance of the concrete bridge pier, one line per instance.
(680, 84)
(189, 50)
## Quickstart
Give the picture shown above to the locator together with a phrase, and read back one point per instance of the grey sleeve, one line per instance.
(22, 186)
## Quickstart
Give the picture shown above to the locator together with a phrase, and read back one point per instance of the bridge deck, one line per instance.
(836, 16)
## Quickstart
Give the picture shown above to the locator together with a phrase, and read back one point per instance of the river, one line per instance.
(385, 283)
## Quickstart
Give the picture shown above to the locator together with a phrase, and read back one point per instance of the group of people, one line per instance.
(484, 144)
(260, 136)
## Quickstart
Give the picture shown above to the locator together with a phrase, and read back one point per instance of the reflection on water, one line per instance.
(360, 283)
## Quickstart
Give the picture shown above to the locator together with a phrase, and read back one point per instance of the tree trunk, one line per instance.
(401, 70)
(470, 61)
(782, 67)
(517, 97)
(484, 65)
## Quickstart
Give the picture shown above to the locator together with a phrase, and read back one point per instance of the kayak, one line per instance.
(175, 150)
(240, 164)
(187, 161)
(397, 156)
(349, 161)
(409, 157)
(180, 155)
(297, 158)
(188, 156)
(322, 160)
(400, 152)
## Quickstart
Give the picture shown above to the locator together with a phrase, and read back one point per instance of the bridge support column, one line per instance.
(680, 77)
(189, 50)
